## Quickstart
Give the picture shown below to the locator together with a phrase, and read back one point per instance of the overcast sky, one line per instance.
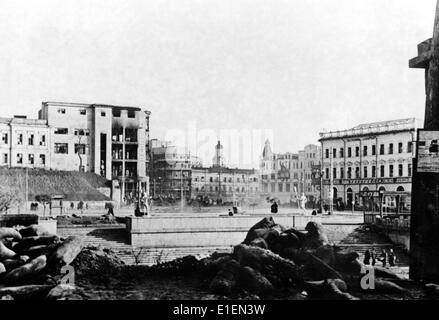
(293, 67)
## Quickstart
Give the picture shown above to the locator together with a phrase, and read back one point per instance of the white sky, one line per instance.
(294, 67)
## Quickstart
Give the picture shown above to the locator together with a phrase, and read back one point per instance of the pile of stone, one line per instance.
(33, 263)
(273, 259)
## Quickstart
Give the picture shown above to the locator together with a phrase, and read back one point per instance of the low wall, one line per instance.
(339, 231)
(200, 231)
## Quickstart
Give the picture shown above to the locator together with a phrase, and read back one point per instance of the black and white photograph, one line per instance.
(230, 152)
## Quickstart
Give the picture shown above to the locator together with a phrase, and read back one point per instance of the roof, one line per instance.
(90, 105)
(224, 170)
(23, 121)
(373, 128)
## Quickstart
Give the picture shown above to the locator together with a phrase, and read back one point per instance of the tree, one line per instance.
(44, 199)
(8, 198)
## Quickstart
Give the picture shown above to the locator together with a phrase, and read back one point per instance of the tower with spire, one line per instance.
(218, 159)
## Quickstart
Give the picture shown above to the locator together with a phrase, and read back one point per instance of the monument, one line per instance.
(424, 232)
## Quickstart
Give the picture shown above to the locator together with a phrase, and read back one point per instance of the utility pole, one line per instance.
(27, 189)
(331, 177)
(181, 189)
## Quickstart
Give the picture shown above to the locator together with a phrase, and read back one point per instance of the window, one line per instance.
(341, 152)
(103, 114)
(81, 148)
(5, 138)
(327, 153)
(409, 169)
(131, 114)
(116, 113)
(391, 170)
(61, 148)
(82, 112)
(357, 172)
(19, 158)
(273, 176)
(61, 131)
(365, 172)
(374, 150)
(31, 139)
(327, 173)
(381, 148)
(43, 159)
(43, 140)
(390, 148)
(280, 185)
(273, 187)
(373, 171)
(61, 110)
(20, 139)
(5, 158)
(349, 173)
(400, 147)
(82, 132)
(382, 171)
(341, 173)
(409, 147)
(357, 151)
(334, 173)
(334, 153)
(349, 152)
(211, 179)
(287, 187)
(400, 170)
(31, 159)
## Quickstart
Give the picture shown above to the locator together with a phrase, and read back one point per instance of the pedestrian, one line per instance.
(384, 258)
(367, 257)
(373, 256)
(392, 258)
(303, 201)
(274, 207)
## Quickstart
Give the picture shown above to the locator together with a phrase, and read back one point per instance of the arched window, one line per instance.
(400, 188)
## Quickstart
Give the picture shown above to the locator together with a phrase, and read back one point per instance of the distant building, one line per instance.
(371, 157)
(171, 170)
(286, 176)
(25, 143)
(111, 141)
(221, 184)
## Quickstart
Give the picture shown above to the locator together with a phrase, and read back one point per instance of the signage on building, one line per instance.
(315, 174)
(369, 181)
(428, 151)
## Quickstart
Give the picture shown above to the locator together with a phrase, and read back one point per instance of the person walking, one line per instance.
(367, 257)
(373, 256)
(384, 258)
(392, 258)
(274, 207)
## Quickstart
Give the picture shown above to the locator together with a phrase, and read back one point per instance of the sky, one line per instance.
(290, 69)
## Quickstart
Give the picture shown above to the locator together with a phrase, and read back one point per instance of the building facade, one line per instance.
(171, 171)
(286, 176)
(220, 184)
(372, 157)
(111, 141)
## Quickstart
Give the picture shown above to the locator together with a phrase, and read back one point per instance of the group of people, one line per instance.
(371, 257)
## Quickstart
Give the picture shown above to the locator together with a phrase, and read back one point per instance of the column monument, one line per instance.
(424, 232)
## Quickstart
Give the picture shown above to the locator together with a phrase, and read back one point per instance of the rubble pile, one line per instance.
(274, 259)
(32, 263)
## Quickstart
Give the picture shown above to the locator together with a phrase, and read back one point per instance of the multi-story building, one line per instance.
(372, 157)
(24, 143)
(111, 141)
(286, 176)
(171, 170)
(221, 184)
